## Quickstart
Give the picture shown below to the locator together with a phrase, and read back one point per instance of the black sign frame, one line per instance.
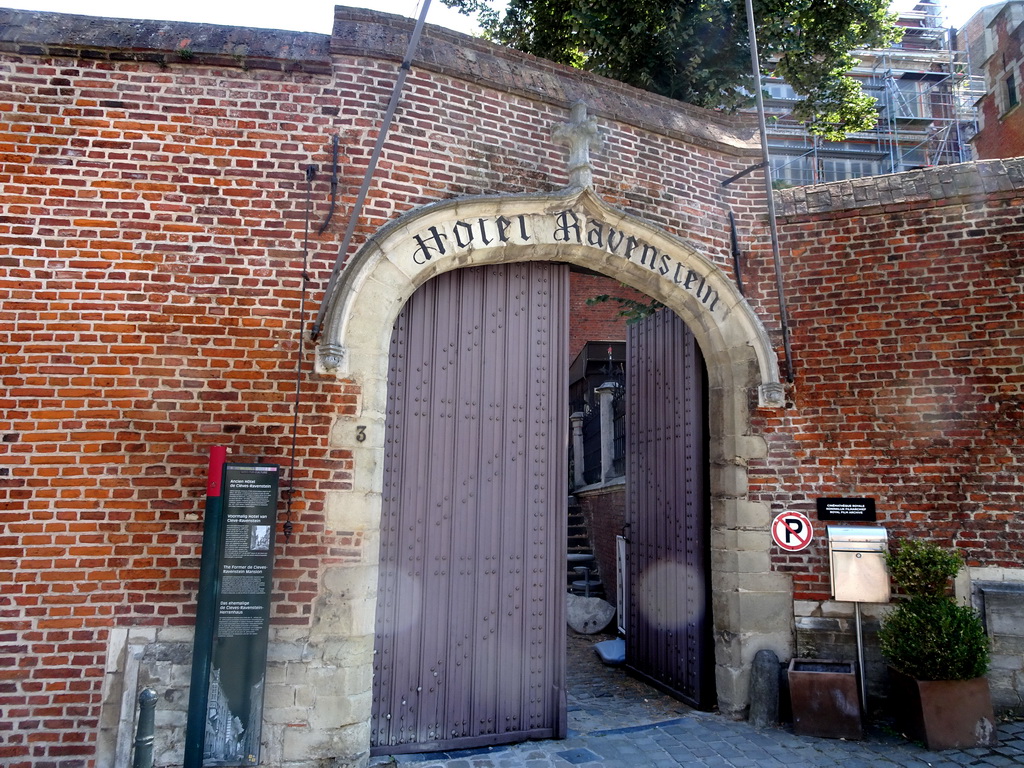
(847, 510)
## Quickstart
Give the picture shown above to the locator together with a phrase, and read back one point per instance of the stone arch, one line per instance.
(576, 227)
(752, 605)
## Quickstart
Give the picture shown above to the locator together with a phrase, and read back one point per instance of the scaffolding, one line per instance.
(926, 97)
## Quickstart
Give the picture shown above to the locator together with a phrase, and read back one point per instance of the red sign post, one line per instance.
(206, 611)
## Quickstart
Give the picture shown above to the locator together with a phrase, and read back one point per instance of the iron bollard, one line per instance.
(144, 734)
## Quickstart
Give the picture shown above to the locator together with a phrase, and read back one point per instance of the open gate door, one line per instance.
(470, 627)
(668, 622)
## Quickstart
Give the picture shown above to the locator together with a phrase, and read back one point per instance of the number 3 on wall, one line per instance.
(360, 434)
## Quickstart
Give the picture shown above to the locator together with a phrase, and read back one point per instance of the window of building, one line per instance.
(911, 98)
(1011, 92)
(790, 171)
(781, 91)
(840, 168)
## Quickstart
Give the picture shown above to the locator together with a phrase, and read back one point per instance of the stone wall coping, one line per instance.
(371, 34)
(163, 42)
(943, 183)
(361, 32)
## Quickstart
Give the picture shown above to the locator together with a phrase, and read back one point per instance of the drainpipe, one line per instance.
(737, 256)
(334, 186)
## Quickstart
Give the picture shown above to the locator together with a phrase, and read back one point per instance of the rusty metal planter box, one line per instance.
(944, 714)
(825, 698)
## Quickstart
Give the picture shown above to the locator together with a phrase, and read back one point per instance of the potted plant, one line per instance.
(937, 652)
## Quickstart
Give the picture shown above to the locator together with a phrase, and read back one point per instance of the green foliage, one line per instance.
(935, 639)
(813, 40)
(698, 51)
(631, 309)
(929, 636)
(922, 568)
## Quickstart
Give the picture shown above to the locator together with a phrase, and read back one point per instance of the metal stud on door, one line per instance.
(470, 614)
(668, 629)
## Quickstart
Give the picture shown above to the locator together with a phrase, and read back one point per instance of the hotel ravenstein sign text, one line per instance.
(567, 227)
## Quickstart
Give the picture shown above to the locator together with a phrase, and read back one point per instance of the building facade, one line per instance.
(925, 94)
(159, 222)
(1001, 62)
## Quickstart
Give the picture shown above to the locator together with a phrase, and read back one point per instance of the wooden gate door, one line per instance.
(668, 623)
(470, 628)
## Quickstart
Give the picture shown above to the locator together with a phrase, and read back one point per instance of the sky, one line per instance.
(301, 15)
(317, 15)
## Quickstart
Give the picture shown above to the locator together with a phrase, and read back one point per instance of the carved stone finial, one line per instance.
(771, 395)
(330, 358)
(581, 135)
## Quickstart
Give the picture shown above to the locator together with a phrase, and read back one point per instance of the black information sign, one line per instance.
(847, 510)
(234, 716)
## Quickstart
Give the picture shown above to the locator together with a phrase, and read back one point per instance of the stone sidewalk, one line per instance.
(703, 739)
(617, 722)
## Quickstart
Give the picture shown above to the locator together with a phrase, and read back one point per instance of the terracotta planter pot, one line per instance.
(944, 714)
(825, 698)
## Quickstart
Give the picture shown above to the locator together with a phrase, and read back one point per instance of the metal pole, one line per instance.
(860, 661)
(310, 175)
(206, 612)
(144, 733)
(769, 192)
(357, 208)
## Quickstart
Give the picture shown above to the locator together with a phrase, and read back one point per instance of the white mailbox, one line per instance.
(857, 559)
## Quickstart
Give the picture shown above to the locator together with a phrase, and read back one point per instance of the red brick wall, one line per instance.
(907, 336)
(152, 211)
(605, 513)
(596, 322)
(150, 282)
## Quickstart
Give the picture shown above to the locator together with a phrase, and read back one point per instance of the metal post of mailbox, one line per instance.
(859, 575)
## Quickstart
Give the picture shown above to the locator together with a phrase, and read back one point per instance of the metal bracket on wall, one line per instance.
(334, 184)
(741, 174)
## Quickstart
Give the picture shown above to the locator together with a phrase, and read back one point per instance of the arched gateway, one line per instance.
(752, 605)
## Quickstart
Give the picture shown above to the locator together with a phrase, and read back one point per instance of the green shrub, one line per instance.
(935, 639)
(928, 636)
(923, 569)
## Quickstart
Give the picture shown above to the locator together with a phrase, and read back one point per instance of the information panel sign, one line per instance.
(234, 713)
(847, 510)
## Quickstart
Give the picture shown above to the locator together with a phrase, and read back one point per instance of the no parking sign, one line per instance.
(792, 531)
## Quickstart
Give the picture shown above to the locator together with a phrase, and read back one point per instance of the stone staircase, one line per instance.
(580, 555)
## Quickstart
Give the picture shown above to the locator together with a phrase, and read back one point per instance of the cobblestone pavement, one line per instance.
(615, 721)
